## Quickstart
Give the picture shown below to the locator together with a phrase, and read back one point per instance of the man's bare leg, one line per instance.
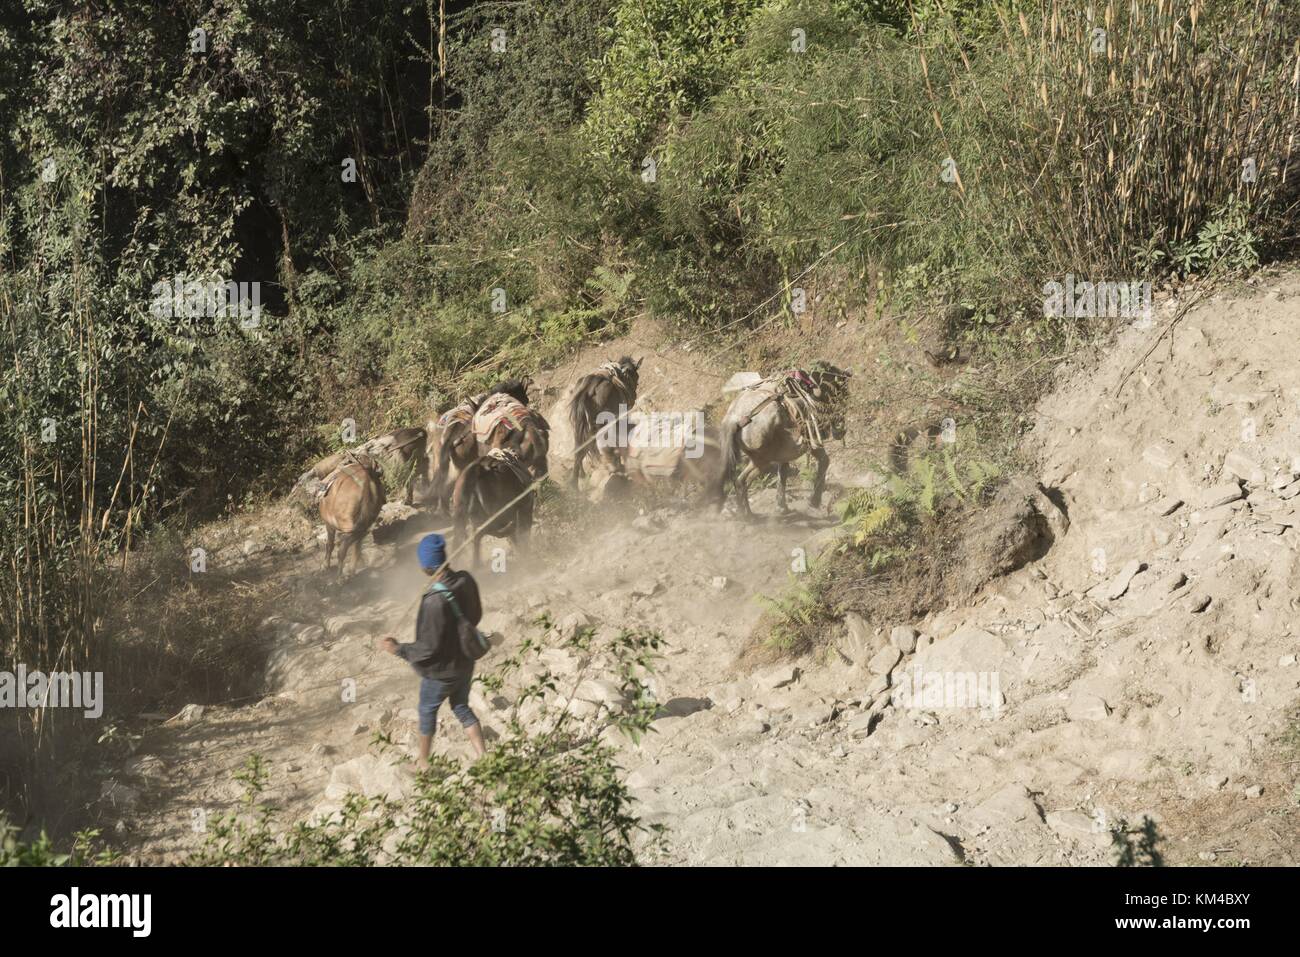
(475, 734)
(426, 741)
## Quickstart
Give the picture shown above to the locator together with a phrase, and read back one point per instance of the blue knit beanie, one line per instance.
(432, 551)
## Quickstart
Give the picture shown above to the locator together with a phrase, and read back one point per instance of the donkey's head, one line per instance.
(515, 388)
(629, 369)
(831, 390)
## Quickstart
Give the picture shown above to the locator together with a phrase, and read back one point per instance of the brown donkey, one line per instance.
(453, 443)
(777, 421)
(350, 506)
(504, 422)
(675, 452)
(600, 399)
(405, 450)
(490, 485)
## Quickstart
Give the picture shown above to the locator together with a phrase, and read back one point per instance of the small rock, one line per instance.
(1087, 707)
(860, 726)
(1119, 584)
(1254, 791)
(903, 637)
(777, 677)
(682, 707)
(1242, 466)
(1070, 822)
(878, 684)
(572, 623)
(884, 660)
(1161, 456)
(1167, 505)
(1286, 661)
(1222, 495)
(1289, 491)
(189, 714)
(645, 589)
(1217, 782)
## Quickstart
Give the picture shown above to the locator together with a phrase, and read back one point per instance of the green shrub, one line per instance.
(550, 796)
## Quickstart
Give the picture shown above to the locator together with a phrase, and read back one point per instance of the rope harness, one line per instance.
(617, 376)
(793, 389)
(510, 458)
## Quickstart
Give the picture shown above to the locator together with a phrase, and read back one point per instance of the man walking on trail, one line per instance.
(450, 604)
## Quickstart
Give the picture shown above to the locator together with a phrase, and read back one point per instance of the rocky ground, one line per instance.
(1145, 665)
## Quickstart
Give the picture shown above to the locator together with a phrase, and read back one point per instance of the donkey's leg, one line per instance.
(345, 542)
(329, 545)
(578, 455)
(819, 483)
(782, 474)
(524, 523)
(742, 490)
(356, 553)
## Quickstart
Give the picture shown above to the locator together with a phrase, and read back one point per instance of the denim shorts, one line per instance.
(434, 691)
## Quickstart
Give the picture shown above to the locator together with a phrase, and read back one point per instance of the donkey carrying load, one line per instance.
(504, 421)
(778, 420)
(453, 442)
(404, 451)
(610, 391)
(497, 482)
(353, 498)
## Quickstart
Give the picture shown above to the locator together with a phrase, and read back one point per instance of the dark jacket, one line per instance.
(436, 653)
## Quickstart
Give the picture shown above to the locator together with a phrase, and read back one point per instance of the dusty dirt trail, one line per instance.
(1145, 666)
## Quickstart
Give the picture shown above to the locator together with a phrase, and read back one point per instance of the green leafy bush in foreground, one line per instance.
(552, 796)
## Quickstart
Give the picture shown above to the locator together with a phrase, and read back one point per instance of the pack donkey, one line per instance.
(405, 451)
(352, 501)
(608, 392)
(497, 482)
(778, 420)
(504, 421)
(453, 442)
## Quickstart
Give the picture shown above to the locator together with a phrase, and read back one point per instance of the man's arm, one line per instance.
(428, 631)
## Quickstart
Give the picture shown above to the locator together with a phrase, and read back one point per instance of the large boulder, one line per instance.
(1018, 527)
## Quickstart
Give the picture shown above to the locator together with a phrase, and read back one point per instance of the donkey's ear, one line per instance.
(637, 363)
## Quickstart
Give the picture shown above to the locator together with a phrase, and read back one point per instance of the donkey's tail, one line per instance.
(732, 449)
(580, 418)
